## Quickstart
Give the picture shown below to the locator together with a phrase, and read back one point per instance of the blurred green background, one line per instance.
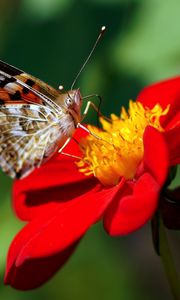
(50, 39)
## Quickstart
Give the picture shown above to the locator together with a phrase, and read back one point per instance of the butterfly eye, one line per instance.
(69, 101)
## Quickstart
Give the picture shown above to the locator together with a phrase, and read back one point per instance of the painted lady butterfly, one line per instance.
(35, 119)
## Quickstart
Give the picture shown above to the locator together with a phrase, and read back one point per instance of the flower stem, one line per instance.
(168, 262)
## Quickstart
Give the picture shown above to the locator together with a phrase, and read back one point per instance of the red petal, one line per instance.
(156, 160)
(138, 200)
(54, 183)
(131, 212)
(72, 147)
(174, 122)
(172, 138)
(164, 92)
(52, 232)
(35, 272)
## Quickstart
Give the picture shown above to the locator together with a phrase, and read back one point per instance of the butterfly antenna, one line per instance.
(103, 29)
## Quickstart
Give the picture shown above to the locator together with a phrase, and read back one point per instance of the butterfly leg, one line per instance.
(64, 145)
(71, 155)
(91, 104)
(68, 154)
(79, 125)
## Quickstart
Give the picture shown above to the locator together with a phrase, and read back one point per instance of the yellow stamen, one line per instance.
(120, 150)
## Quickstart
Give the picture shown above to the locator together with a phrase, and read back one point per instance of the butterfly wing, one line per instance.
(10, 74)
(29, 135)
(29, 127)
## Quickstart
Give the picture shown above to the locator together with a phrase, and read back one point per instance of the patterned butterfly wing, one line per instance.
(22, 85)
(29, 121)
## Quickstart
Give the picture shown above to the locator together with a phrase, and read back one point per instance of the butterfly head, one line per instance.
(72, 103)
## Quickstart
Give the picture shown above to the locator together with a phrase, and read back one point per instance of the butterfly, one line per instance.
(35, 120)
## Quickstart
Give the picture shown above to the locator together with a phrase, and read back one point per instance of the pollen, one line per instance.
(119, 149)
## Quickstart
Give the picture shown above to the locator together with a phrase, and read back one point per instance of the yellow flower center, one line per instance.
(120, 149)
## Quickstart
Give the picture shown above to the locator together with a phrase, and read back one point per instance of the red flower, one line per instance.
(60, 203)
